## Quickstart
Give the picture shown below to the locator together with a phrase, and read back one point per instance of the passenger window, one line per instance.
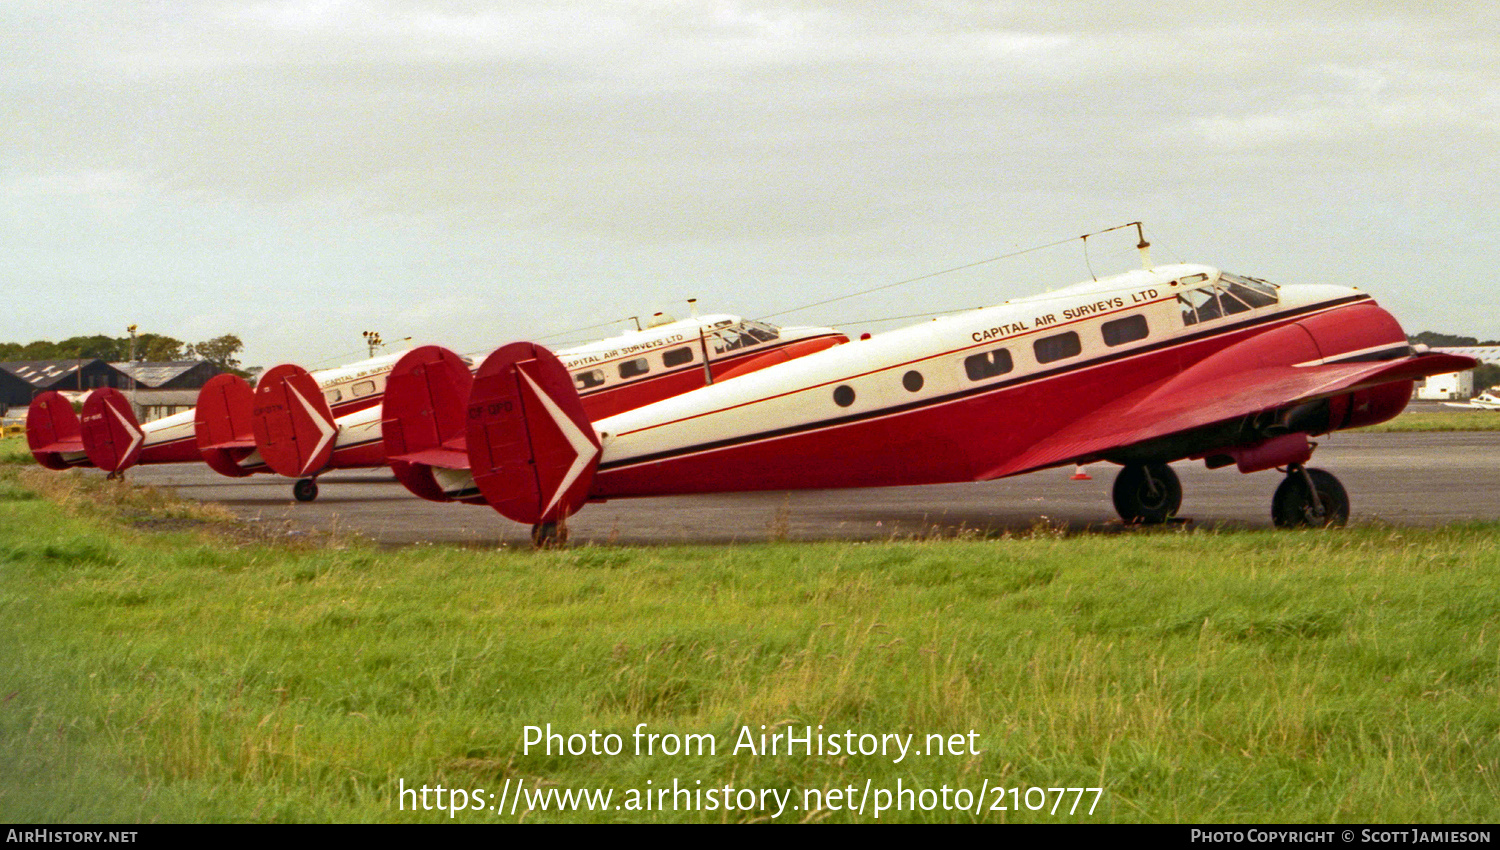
(589, 379)
(1121, 331)
(363, 388)
(1060, 347)
(333, 396)
(990, 364)
(676, 356)
(632, 368)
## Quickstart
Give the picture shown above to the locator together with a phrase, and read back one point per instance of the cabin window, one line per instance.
(333, 396)
(912, 381)
(843, 395)
(589, 379)
(1057, 347)
(676, 356)
(632, 368)
(363, 388)
(1121, 331)
(990, 364)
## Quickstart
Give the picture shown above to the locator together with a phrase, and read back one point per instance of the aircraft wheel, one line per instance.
(548, 535)
(1294, 506)
(305, 490)
(1147, 493)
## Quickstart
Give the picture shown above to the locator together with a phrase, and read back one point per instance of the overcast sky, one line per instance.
(470, 173)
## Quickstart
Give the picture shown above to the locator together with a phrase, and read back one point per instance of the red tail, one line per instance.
(111, 435)
(531, 449)
(222, 424)
(292, 422)
(52, 432)
(422, 425)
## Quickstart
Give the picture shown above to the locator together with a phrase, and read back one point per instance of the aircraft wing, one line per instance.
(1188, 401)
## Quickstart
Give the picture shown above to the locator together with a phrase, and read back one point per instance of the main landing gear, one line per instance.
(1309, 498)
(1147, 493)
(1150, 494)
(305, 490)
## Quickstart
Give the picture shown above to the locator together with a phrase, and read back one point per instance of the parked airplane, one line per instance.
(1140, 369)
(1487, 400)
(109, 436)
(298, 437)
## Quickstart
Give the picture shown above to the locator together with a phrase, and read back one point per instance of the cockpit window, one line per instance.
(1199, 305)
(1256, 293)
(728, 339)
(762, 331)
(1231, 294)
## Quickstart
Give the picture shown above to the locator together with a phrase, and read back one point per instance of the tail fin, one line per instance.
(426, 401)
(222, 424)
(292, 423)
(52, 432)
(531, 449)
(111, 434)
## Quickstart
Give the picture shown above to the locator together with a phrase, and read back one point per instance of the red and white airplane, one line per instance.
(1140, 369)
(299, 437)
(297, 416)
(217, 431)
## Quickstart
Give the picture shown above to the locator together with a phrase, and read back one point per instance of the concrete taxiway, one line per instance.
(1402, 479)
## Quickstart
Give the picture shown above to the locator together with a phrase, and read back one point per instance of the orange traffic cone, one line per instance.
(1080, 474)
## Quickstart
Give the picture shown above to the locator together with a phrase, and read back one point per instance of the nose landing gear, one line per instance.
(1309, 498)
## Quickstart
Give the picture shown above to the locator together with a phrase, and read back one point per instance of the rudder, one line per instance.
(222, 424)
(293, 425)
(531, 448)
(423, 418)
(111, 434)
(53, 433)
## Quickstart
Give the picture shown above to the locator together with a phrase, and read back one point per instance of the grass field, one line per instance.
(1431, 418)
(159, 663)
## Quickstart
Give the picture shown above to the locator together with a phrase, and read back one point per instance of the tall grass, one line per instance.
(1258, 676)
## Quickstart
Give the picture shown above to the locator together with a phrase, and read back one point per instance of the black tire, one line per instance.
(305, 490)
(1147, 493)
(548, 535)
(1292, 506)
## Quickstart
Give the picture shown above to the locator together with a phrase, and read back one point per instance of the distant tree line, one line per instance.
(1487, 375)
(1437, 340)
(221, 351)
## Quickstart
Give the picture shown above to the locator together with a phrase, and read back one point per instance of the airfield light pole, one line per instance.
(134, 407)
(372, 339)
